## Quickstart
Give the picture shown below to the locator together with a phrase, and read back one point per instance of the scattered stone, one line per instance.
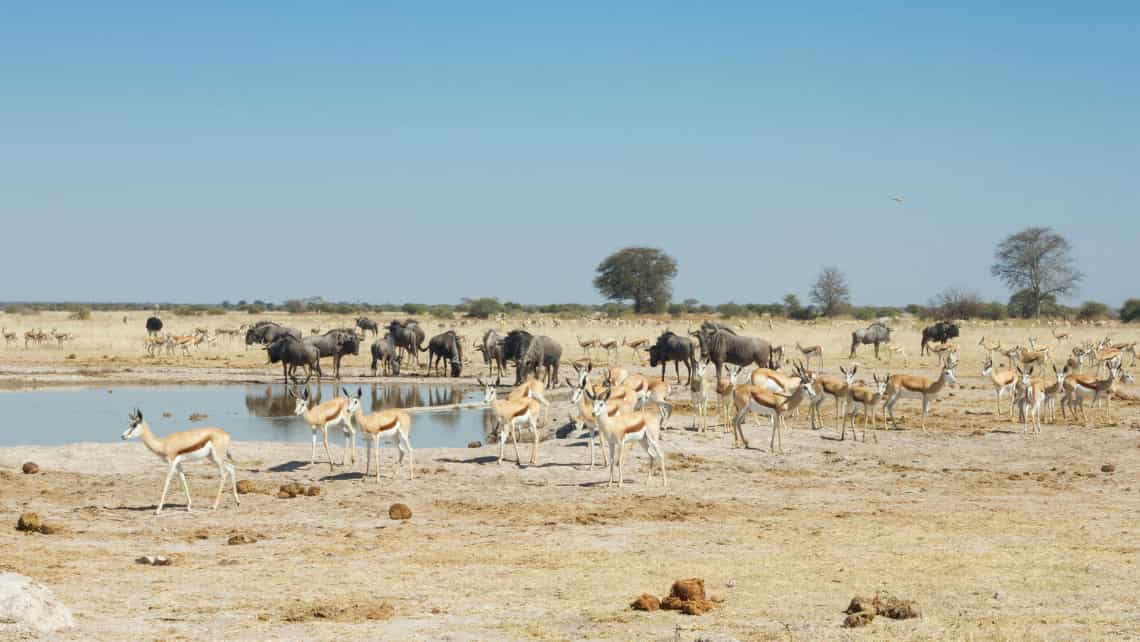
(289, 491)
(241, 538)
(646, 602)
(999, 595)
(30, 468)
(474, 444)
(399, 511)
(153, 560)
(1107, 468)
(28, 608)
(855, 620)
(245, 487)
(862, 610)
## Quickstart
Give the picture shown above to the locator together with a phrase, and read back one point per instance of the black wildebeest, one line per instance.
(153, 325)
(365, 324)
(940, 332)
(540, 352)
(675, 348)
(292, 352)
(386, 353)
(720, 345)
(266, 332)
(445, 347)
(876, 333)
(335, 343)
(409, 337)
(492, 348)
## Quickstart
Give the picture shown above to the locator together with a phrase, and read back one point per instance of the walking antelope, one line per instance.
(323, 416)
(1003, 381)
(509, 413)
(749, 398)
(587, 345)
(392, 425)
(180, 341)
(622, 428)
(870, 399)
(811, 351)
(1031, 398)
(899, 386)
(199, 443)
(636, 346)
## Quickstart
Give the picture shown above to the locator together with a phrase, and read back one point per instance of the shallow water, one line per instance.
(248, 413)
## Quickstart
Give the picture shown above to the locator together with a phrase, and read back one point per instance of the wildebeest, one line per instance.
(409, 337)
(540, 352)
(675, 348)
(492, 348)
(940, 332)
(445, 347)
(292, 352)
(514, 345)
(365, 324)
(153, 325)
(876, 333)
(385, 351)
(720, 345)
(266, 332)
(335, 343)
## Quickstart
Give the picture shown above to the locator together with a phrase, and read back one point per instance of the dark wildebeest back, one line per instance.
(445, 348)
(335, 343)
(542, 352)
(720, 345)
(153, 325)
(514, 347)
(409, 337)
(266, 332)
(675, 348)
(940, 332)
(367, 325)
(292, 352)
(386, 352)
(877, 333)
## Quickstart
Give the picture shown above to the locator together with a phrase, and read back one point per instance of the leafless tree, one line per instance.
(830, 291)
(1036, 262)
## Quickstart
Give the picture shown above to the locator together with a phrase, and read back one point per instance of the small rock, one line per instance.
(399, 511)
(474, 444)
(29, 522)
(238, 540)
(28, 608)
(1107, 468)
(999, 595)
(855, 620)
(30, 468)
(646, 602)
(153, 560)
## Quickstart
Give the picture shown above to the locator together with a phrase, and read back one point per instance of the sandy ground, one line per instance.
(994, 535)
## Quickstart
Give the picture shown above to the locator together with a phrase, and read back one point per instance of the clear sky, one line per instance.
(428, 151)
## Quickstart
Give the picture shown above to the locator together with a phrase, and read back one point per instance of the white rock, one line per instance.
(27, 607)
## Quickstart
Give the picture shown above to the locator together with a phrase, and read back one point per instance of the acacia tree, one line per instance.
(643, 275)
(1036, 263)
(830, 291)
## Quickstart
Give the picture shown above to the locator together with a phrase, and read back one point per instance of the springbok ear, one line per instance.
(138, 414)
(344, 391)
(359, 392)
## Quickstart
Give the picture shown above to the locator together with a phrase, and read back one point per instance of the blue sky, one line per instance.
(431, 151)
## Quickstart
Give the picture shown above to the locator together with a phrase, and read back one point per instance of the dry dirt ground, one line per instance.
(993, 534)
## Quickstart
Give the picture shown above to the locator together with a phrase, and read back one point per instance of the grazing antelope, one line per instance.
(1031, 398)
(1003, 381)
(509, 413)
(199, 443)
(532, 389)
(587, 345)
(621, 428)
(392, 425)
(811, 351)
(899, 386)
(323, 416)
(1079, 386)
(870, 399)
(699, 395)
(750, 398)
(892, 350)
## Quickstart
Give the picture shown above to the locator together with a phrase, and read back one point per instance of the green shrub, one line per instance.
(1130, 311)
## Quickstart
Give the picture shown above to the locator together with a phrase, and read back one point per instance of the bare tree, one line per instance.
(1036, 262)
(830, 291)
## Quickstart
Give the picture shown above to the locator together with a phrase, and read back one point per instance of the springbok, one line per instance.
(587, 345)
(636, 346)
(9, 337)
(870, 399)
(509, 413)
(1003, 381)
(826, 386)
(611, 348)
(892, 350)
(811, 351)
(532, 389)
(622, 428)
(899, 386)
(1031, 398)
(324, 415)
(699, 395)
(199, 443)
(1079, 386)
(750, 398)
(392, 425)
